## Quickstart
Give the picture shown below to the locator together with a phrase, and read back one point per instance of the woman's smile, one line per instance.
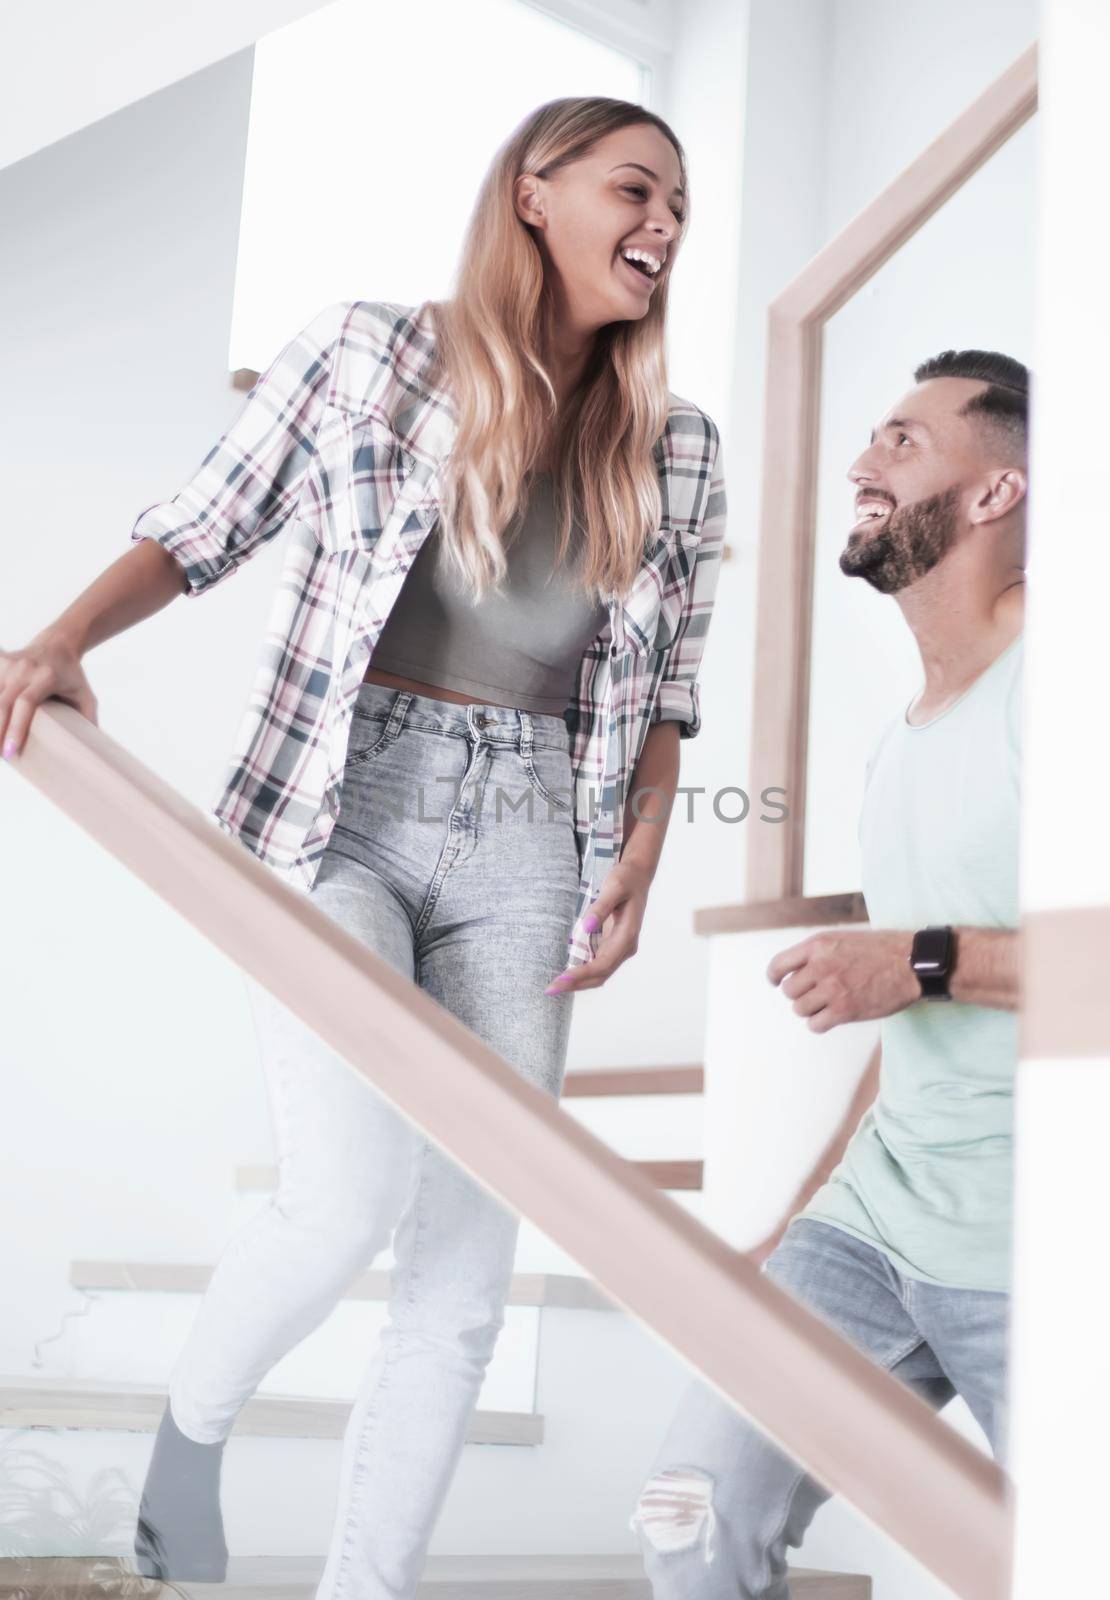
(636, 275)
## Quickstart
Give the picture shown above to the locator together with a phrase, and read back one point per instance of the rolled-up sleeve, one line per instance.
(248, 484)
(679, 692)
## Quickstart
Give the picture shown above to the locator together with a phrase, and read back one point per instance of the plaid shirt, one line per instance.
(342, 441)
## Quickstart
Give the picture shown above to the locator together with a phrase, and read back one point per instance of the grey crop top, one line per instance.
(521, 647)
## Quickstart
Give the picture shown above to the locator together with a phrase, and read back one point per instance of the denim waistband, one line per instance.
(500, 725)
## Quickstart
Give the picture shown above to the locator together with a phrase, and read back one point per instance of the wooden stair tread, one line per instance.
(539, 1577)
(605, 1081)
(553, 1289)
(683, 1174)
(796, 911)
(137, 1408)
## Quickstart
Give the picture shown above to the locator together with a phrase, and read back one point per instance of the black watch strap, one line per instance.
(932, 958)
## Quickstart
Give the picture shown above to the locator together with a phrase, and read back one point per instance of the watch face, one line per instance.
(930, 950)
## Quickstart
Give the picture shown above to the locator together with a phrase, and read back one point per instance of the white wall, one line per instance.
(126, 1044)
(702, 861)
(964, 281)
(746, 97)
(79, 63)
(1060, 1394)
(779, 204)
(832, 114)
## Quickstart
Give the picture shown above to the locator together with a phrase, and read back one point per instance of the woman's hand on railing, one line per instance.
(49, 668)
(136, 584)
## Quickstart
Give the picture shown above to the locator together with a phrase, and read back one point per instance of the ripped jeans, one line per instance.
(722, 1504)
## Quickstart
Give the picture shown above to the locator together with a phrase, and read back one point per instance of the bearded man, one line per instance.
(904, 1247)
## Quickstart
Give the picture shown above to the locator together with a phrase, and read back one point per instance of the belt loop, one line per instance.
(397, 714)
(525, 733)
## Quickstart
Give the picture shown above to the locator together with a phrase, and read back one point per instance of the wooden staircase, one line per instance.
(676, 1175)
(445, 1578)
(563, 1289)
(137, 1408)
(88, 1405)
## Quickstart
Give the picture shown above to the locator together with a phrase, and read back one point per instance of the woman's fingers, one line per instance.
(20, 692)
(27, 678)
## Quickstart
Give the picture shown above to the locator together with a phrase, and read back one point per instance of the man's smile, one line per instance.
(870, 510)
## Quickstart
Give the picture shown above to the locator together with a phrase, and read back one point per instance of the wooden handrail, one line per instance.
(851, 1424)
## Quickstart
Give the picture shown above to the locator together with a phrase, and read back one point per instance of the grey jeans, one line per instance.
(722, 1503)
(454, 857)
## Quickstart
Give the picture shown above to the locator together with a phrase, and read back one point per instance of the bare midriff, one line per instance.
(393, 680)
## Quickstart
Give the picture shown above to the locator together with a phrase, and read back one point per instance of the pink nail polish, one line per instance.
(9, 749)
(591, 923)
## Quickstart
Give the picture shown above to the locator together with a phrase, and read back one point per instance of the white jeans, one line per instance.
(476, 911)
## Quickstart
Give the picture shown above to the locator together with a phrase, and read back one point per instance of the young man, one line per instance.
(905, 1249)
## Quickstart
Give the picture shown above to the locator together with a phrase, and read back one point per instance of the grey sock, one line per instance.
(180, 1530)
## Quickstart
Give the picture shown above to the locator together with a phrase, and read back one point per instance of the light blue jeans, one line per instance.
(476, 909)
(722, 1503)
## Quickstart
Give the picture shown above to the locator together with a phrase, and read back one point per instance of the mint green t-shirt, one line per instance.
(926, 1176)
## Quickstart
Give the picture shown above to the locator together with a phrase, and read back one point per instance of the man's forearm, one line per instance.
(988, 968)
(652, 792)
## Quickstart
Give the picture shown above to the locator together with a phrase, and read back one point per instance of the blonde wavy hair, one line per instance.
(492, 343)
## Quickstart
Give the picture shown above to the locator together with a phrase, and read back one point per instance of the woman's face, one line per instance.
(623, 197)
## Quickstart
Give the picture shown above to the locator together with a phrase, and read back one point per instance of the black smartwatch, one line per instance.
(933, 957)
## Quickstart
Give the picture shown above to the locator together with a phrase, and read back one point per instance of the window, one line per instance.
(369, 137)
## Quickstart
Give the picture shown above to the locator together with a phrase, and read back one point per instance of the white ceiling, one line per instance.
(71, 62)
(68, 63)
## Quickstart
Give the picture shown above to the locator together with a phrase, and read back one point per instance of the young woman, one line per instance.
(503, 541)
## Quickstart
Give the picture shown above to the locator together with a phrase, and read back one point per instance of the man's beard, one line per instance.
(912, 541)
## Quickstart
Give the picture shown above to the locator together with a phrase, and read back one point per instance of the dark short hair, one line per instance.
(1004, 404)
